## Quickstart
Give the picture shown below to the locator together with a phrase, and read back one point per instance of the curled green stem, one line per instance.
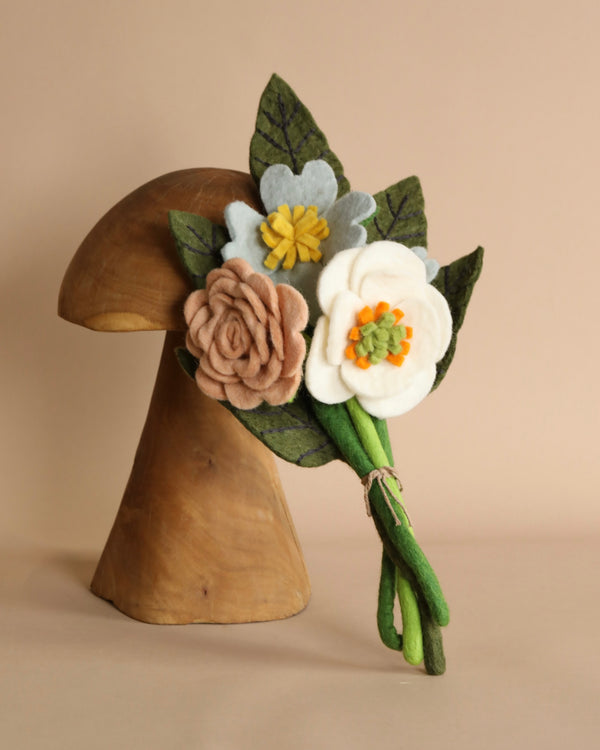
(385, 604)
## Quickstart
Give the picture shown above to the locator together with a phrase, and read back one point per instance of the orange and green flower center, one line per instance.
(379, 335)
(293, 235)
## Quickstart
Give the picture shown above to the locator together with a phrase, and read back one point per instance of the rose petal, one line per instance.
(247, 292)
(283, 390)
(200, 318)
(194, 302)
(210, 387)
(232, 337)
(205, 334)
(294, 313)
(225, 285)
(219, 363)
(295, 351)
(220, 303)
(209, 370)
(191, 346)
(240, 267)
(267, 375)
(218, 274)
(242, 397)
(276, 336)
(249, 366)
(265, 289)
(256, 330)
(294, 310)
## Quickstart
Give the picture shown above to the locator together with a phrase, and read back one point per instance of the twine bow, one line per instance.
(381, 476)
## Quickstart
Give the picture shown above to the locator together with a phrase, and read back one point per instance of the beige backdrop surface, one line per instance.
(493, 104)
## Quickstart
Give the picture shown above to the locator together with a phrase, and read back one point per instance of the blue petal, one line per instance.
(243, 224)
(316, 186)
(431, 265)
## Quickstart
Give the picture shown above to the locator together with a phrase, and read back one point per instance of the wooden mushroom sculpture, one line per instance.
(203, 533)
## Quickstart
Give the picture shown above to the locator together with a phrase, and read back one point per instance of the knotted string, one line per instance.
(381, 476)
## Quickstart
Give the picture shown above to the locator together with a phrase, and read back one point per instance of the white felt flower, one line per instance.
(382, 331)
(304, 228)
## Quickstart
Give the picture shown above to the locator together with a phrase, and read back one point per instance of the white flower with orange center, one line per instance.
(304, 227)
(382, 331)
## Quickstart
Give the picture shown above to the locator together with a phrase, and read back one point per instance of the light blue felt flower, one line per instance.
(316, 188)
(431, 265)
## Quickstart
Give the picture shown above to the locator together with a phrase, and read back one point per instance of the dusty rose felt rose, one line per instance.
(246, 334)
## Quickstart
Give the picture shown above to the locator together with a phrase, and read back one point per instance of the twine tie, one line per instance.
(381, 475)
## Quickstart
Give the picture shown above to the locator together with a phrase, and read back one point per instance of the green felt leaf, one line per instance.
(400, 215)
(188, 362)
(199, 243)
(456, 282)
(286, 133)
(291, 431)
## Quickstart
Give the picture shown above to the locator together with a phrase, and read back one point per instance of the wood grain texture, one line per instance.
(126, 275)
(203, 533)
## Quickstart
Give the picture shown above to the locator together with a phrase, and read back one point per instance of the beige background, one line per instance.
(495, 106)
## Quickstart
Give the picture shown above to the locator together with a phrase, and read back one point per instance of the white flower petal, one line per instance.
(387, 258)
(341, 320)
(323, 380)
(319, 185)
(279, 185)
(427, 330)
(379, 381)
(243, 224)
(335, 278)
(379, 287)
(403, 401)
(440, 305)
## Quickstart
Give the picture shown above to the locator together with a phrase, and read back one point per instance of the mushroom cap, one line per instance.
(126, 275)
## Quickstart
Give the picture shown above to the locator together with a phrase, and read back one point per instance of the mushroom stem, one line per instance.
(203, 533)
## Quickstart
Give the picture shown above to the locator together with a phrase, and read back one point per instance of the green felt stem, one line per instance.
(412, 635)
(398, 540)
(411, 622)
(385, 604)
(433, 650)
(369, 437)
(433, 646)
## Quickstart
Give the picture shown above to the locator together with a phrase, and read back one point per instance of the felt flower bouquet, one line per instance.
(318, 318)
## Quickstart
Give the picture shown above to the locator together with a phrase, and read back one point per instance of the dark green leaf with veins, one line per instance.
(286, 133)
(400, 215)
(199, 244)
(291, 430)
(456, 282)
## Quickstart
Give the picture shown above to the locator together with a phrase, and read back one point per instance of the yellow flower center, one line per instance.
(293, 235)
(379, 335)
